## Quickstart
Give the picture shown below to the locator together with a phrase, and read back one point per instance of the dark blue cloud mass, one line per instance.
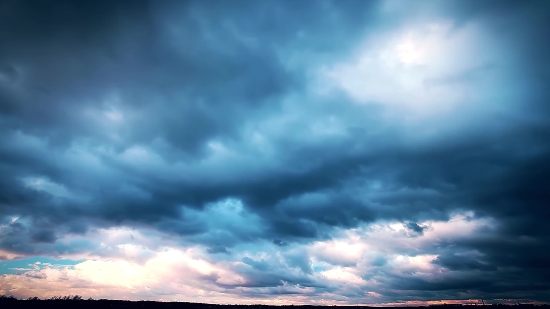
(306, 151)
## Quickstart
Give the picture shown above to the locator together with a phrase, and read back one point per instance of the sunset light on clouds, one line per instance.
(387, 152)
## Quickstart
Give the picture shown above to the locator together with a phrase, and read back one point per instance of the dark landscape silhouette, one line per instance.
(79, 302)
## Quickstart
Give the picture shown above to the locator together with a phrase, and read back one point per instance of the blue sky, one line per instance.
(23, 265)
(306, 152)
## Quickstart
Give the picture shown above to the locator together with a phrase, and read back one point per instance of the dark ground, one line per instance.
(10, 302)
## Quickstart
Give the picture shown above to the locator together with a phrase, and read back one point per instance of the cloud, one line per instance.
(380, 263)
(415, 228)
(350, 153)
(44, 236)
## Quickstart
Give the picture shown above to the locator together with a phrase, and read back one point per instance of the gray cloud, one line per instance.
(156, 114)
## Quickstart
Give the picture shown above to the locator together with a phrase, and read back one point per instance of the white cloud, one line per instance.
(46, 185)
(396, 69)
(143, 265)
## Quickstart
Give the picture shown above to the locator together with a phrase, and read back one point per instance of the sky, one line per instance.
(277, 152)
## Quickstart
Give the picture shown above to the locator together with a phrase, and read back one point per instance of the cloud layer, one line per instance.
(295, 152)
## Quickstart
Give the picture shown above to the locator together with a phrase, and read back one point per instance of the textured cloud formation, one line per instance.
(296, 152)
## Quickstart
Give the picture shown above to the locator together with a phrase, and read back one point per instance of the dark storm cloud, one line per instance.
(175, 52)
(77, 70)
(109, 111)
(455, 262)
(218, 249)
(280, 243)
(415, 227)
(44, 236)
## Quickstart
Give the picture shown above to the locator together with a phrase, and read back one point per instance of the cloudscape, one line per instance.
(280, 152)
